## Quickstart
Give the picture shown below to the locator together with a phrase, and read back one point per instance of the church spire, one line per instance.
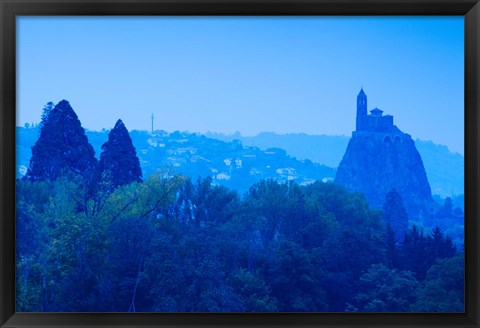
(361, 109)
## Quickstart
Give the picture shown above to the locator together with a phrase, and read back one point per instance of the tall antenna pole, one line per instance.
(152, 122)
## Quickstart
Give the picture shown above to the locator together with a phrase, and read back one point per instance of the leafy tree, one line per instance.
(394, 213)
(202, 267)
(129, 246)
(253, 291)
(268, 199)
(31, 198)
(208, 290)
(28, 287)
(31, 240)
(169, 245)
(385, 290)
(74, 255)
(351, 210)
(143, 200)
(282, 205)
(165, 274)
(294, 277)
(183, 209)
(212, 204)
(33, 194)
(241, 239)
(118, 160)
(347, 254)
(62, 145)
(443, 288)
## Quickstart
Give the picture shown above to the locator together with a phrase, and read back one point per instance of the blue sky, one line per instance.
(246, 74)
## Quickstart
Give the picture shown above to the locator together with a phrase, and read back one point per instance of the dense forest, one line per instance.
(95, 235)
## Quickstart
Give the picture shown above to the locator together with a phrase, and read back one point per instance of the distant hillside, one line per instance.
(229, 163)
(327, 150)
(444, 168)
(204, 153)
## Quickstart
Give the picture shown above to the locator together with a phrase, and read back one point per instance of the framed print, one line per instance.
(212, 163)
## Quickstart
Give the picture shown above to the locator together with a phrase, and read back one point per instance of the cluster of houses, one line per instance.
(181, 151)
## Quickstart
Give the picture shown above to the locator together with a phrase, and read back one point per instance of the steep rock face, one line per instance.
(376, 162)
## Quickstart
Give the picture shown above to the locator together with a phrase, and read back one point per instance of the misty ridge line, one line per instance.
(247, 139)
(444, 168)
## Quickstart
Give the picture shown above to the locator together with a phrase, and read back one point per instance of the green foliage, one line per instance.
(104, 240)
(446, 211)
(28, 291)
(46, 112)
(164, 274)
(280, 204)
(169, 245)
(394, 213)
(241, 239)
(443, 287)
(349, 209)
(294, 277)
(385, 290)
(208, 290)
(253, 291)
(143, 200)
(35, 194)
(391, 249)
(419, 252)
(130, 243)
(213, 204)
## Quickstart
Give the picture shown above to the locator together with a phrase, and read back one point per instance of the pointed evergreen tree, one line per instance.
(440, 245)
(391, 249)
(118, 161)
(62, 146)
(394, 213)
(447, 210)
(46, 111)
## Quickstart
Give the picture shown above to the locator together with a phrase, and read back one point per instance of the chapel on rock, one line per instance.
(376, 121)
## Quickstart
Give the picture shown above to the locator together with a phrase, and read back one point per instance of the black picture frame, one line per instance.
(9, 9)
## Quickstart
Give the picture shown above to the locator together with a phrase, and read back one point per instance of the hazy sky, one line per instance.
(246, 74)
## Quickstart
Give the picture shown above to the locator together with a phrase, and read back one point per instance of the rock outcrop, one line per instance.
(380, 157)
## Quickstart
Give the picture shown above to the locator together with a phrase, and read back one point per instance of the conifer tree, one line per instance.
(391, 248)
(62, 146)
(118, 161)
(394, 213)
